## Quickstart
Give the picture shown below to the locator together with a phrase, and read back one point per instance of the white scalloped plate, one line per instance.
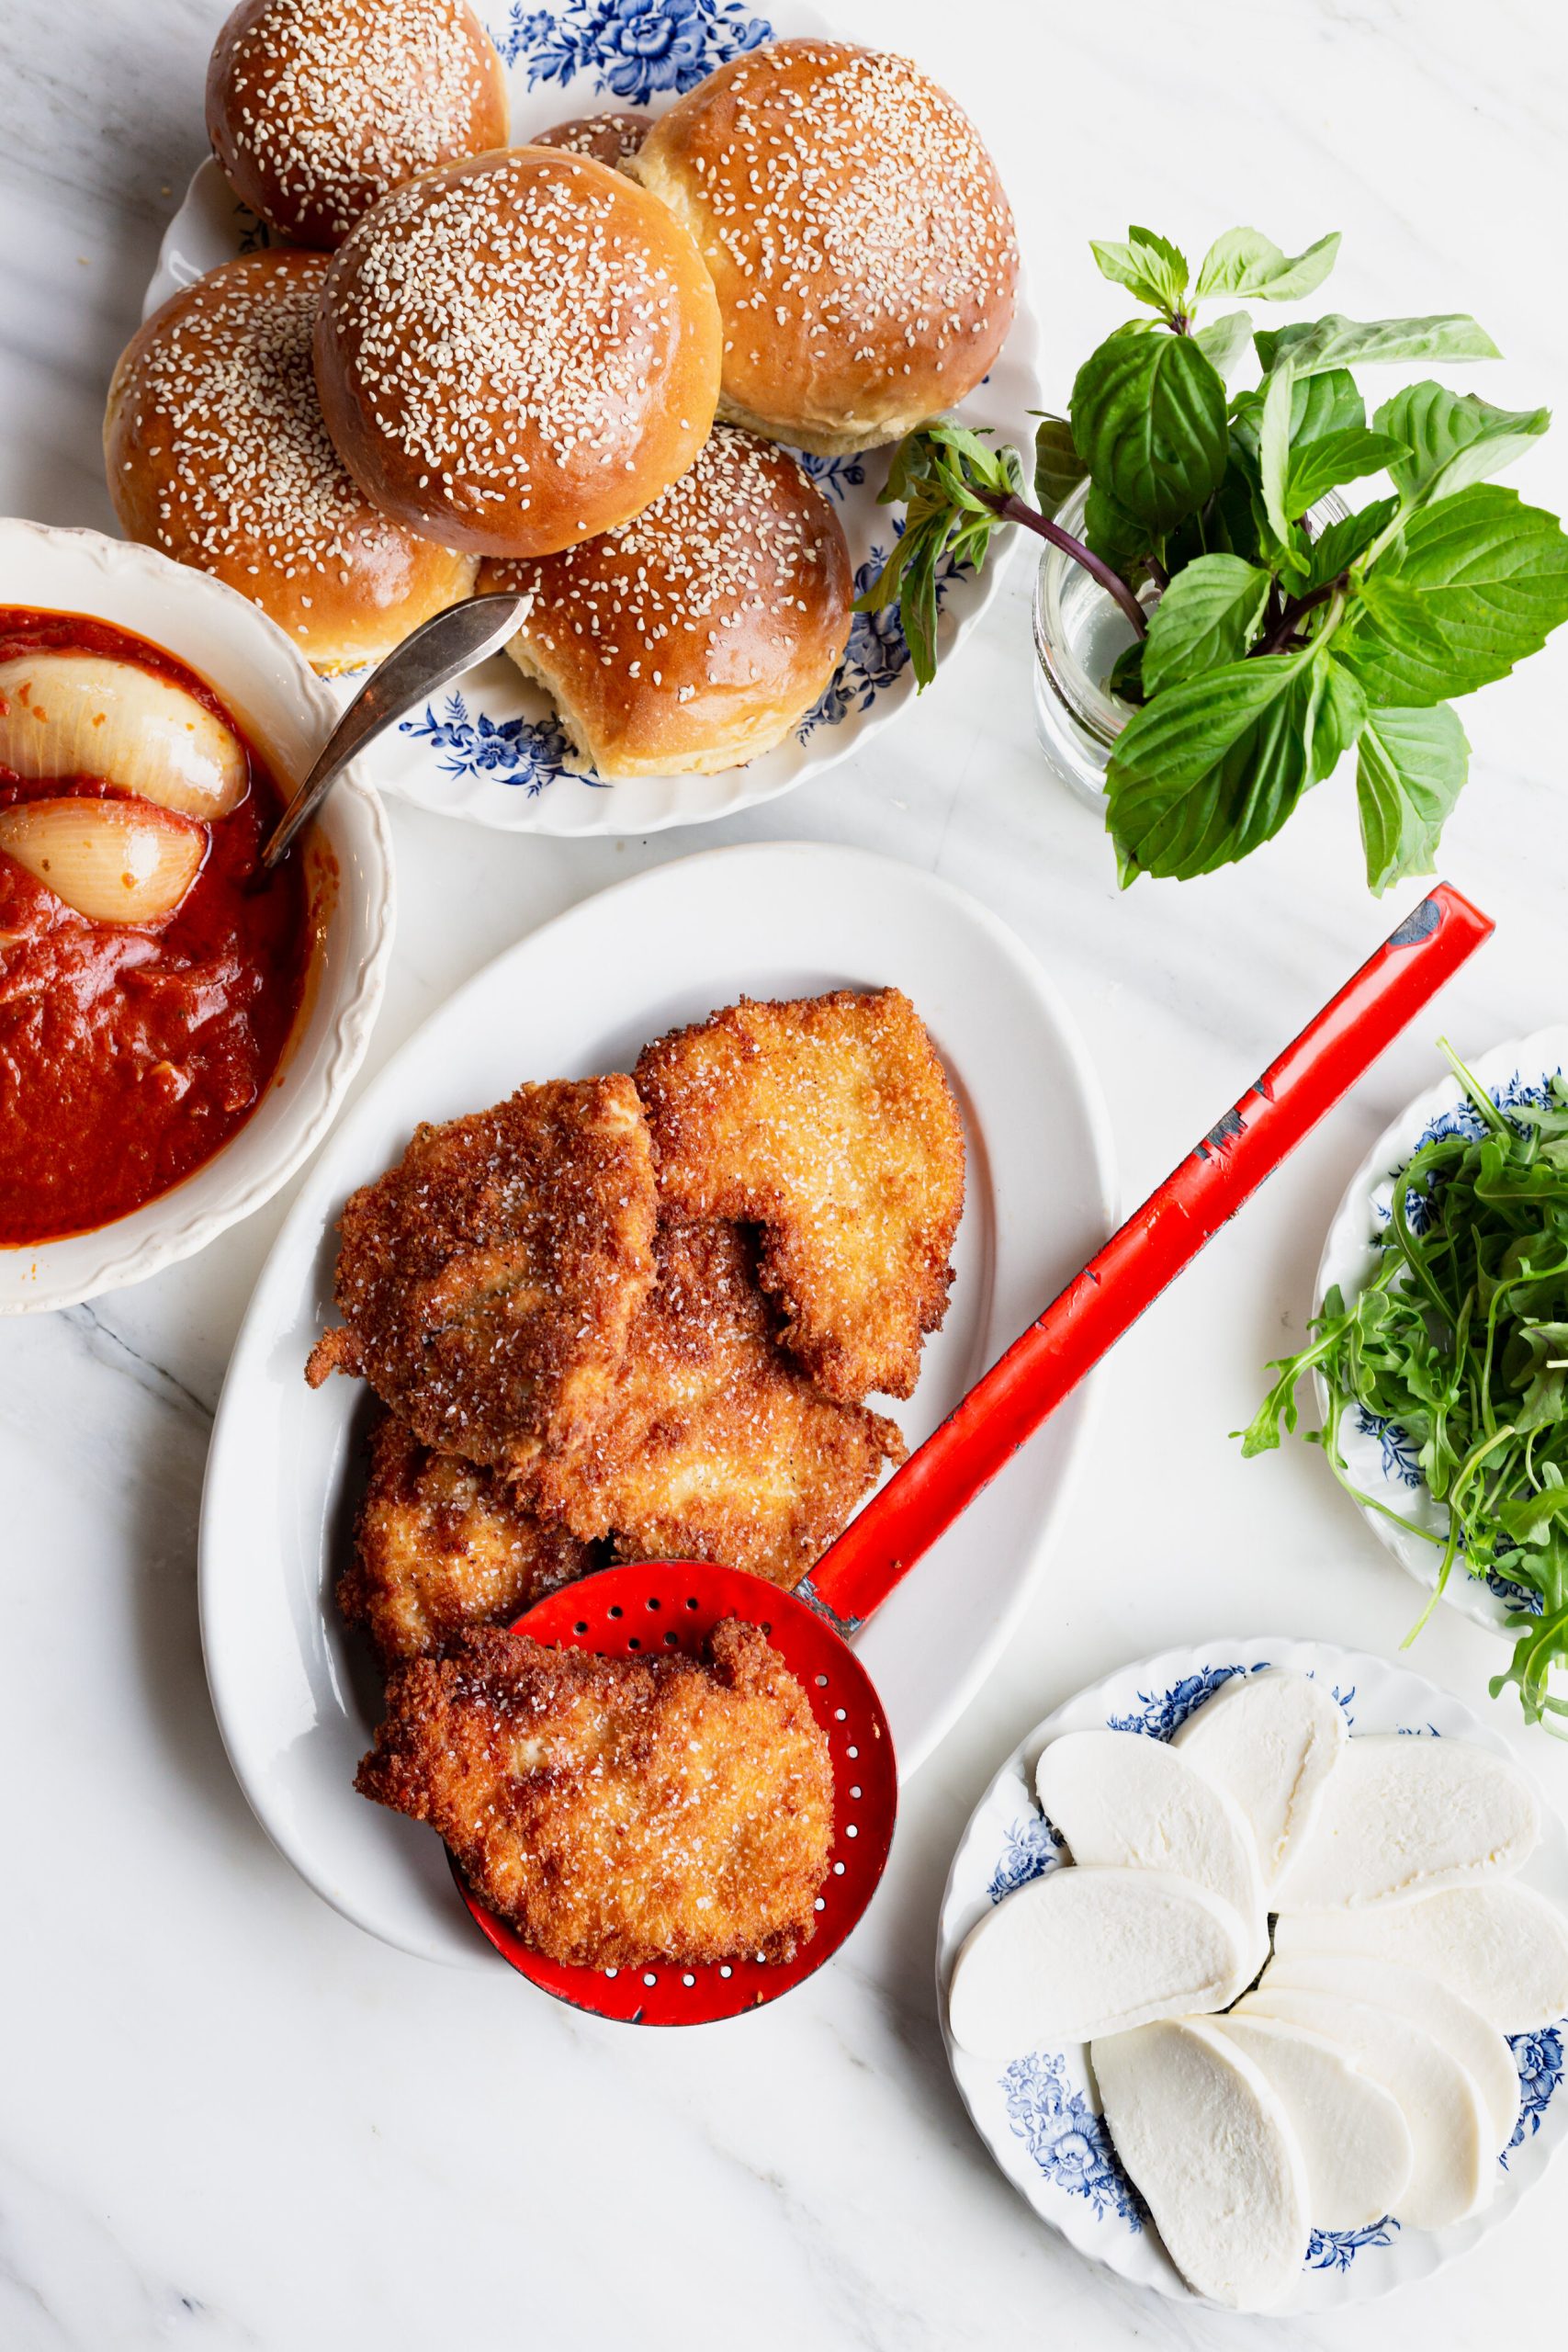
(286, 708)
(1379, 1460)
(1038, 2115)
(488, 751)
(295, 1701)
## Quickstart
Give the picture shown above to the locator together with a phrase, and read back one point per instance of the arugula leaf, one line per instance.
(1338, 341)
(1205, 618)
(1149, 266)
(1058, 468)
(1340, 543)
(1466, 589)
(1410, 769)
(1454, 438)
(1224, 339)
(1242, 262)
(1213, 767)
(1337, 457)
(1148, 415)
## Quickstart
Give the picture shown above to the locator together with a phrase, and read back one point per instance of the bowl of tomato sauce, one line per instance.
(176, 1028)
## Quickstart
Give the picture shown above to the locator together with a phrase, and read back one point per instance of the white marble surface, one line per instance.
(227, 2119)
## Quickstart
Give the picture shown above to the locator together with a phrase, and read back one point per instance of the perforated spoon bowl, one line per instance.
(654, 1606)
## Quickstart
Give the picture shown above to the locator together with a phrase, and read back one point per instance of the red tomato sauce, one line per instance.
(129, 1053)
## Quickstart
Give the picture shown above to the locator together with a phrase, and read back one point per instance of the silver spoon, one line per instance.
(438, 650)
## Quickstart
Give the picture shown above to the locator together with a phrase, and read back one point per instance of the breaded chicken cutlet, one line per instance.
(619, 1811)
(715, 1444)
(828, 1121)
(488, 1282)
(442, 1546)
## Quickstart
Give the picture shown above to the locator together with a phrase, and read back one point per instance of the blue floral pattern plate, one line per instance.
(1380, 1457)
(491, 751)
(1038, 2113)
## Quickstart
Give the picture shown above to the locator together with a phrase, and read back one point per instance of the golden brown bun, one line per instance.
(857, 232)
(516, 352)
(316, 107)
(217, 455)
(608, 138)
(693, 638)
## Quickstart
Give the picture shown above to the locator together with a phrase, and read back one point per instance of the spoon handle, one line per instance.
(439, 649)
(901, 1522)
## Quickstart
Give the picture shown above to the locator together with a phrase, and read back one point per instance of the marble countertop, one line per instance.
(228, 2117)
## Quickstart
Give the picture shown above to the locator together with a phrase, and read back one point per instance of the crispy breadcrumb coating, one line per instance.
(619, 1811)
(488, 1282)
(441, 1545)
(830, 1122)
(715, 1446)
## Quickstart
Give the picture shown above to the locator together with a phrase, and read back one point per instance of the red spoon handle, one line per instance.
(1042, 1367)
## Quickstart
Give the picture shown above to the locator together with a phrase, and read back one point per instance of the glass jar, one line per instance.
(1080, 631)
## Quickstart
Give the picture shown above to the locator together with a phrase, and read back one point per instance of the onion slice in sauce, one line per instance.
(85, 715)
(114, 861)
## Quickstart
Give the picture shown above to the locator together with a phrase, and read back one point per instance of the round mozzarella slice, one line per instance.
(1354, 2139)
(1461, 2031)
(1081, 1953)
(1405, 1815)
(1502, 1947)
(1450, 2131)
(1209, 2149)
(1270, 1741)
(1121, 1799)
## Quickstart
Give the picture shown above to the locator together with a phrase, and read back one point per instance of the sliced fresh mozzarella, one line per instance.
(1354, 2138)
(1421, 2001)
(1404, 1815)
(1502, 1947)
(1121, 1799)
(1209, 2146)
(1270, 1741)
(1080, 1952)
(1452, 2172)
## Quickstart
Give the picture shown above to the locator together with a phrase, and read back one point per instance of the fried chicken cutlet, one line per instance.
(441, 1545)
(830, 1122)
(619, 1811)
(488, 1282)
(715, 1444)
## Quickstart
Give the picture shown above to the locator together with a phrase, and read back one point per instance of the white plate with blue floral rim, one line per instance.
(1038, 2114)
(1380, 1458)
(294, 1699)
(490, 750)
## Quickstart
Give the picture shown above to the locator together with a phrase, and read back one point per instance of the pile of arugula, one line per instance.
(1264, 651)
(1460, 1339)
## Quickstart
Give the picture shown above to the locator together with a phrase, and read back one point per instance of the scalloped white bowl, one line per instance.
(289, 714)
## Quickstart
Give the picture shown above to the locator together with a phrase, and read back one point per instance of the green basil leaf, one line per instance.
(1147, 265)
(1339, 458)
(1468, 588)
(1058, 468)
(1319, 405)
(1148, 415)
(1274, 451)
(1338, 545)
(1242, 262)
(1453, 438)
(1222, 341)
(1126, 679)
(1119, 538)
(1410, 770)
(1338, 341)
(1211, 769)
(1205, 618)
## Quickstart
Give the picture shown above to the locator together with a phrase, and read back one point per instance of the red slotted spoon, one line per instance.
(652, 1606)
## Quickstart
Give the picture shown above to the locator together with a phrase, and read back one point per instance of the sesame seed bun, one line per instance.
(217, 454)
(693, 638)
(859, 239)
(608, 138)
(517, 352)
(316, 107)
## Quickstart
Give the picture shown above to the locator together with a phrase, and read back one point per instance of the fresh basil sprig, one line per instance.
(1265, 648)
